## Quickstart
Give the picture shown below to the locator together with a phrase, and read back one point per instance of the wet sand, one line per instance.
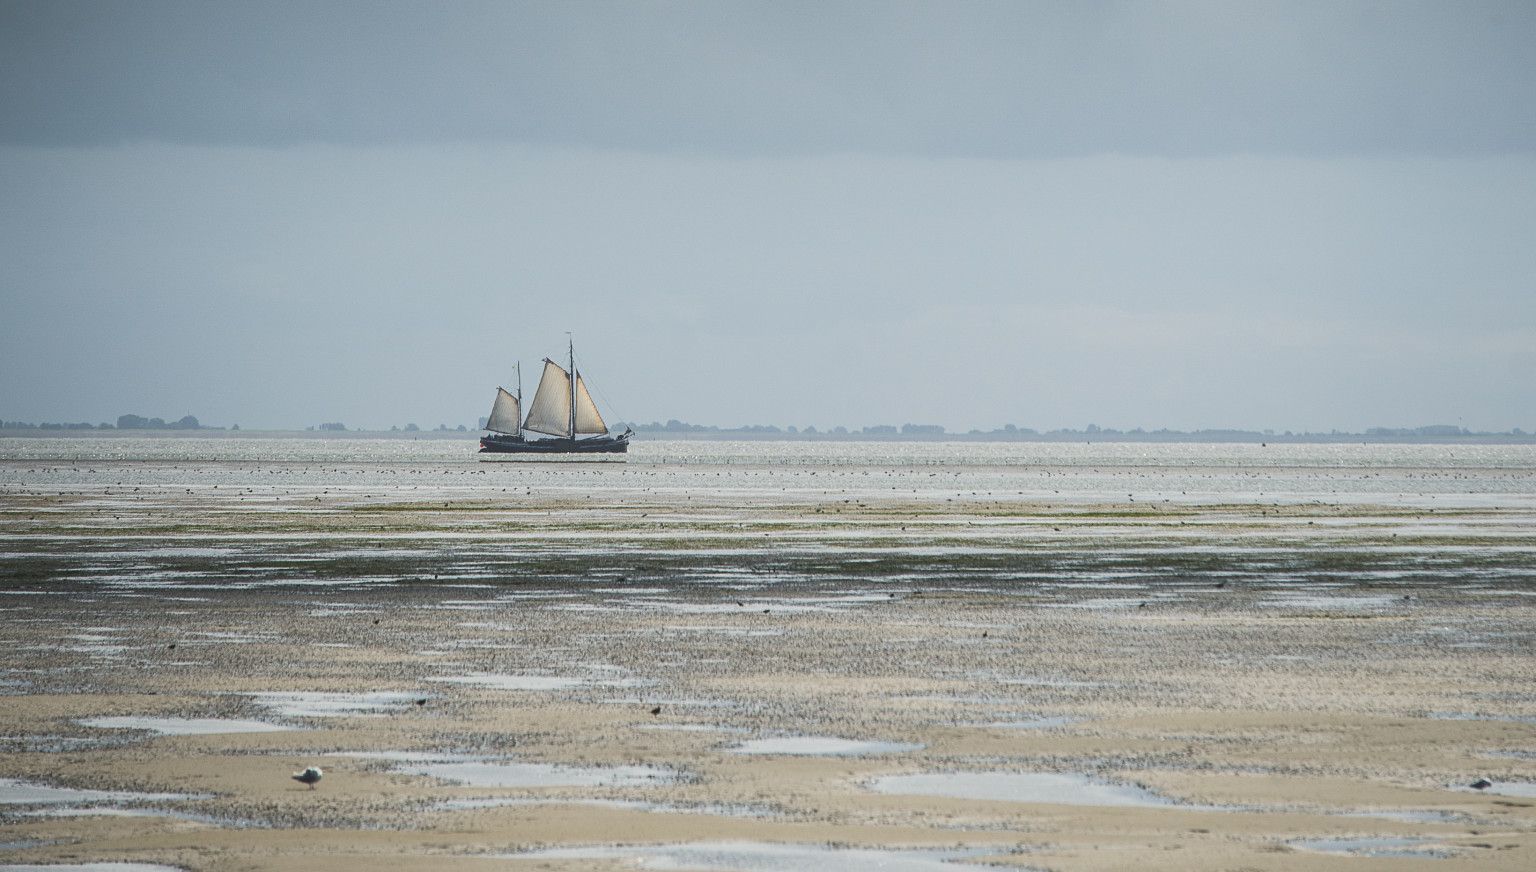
(488, 674)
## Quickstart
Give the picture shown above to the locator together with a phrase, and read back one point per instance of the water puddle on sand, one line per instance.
(72, 811)
(1375, 847)
(1513, 788)
(304, 704)
(92, 868)
(499, 682)
(16, 792)
(1345, 603)
(1480, 716)
(483, 772)
(541, 774)
(182, 726)
(763, 857)
(1408, 816)
(1048, 788)
(716, 809)
(829, 746)
(512, 682)
(51, 744)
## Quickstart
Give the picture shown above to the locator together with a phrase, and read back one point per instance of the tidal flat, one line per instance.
(558, 666)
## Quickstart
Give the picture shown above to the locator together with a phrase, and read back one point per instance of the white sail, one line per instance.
(505, 413)
(551, 410)
(588, 420)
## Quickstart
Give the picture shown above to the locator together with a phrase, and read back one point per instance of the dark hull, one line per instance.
(513, 445)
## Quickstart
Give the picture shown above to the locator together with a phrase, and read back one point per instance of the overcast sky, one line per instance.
(1281, 215)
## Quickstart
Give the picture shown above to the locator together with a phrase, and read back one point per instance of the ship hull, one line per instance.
(513, 445)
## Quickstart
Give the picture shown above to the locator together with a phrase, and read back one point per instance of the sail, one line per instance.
(504, 413)
(587, 418)
(551, 410)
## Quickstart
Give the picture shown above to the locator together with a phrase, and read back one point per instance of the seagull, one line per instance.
(310, 776)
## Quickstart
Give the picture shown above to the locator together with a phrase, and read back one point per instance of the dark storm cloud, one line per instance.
(950, 79)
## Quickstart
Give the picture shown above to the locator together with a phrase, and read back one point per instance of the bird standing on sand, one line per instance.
(311, 776)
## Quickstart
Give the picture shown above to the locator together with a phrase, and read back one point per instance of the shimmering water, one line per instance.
(776, 527)
(1177, 472)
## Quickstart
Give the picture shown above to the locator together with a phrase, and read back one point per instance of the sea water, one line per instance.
(854, 516)
(1414, 474)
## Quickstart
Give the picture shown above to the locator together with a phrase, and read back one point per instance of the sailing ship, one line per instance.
(561, 408)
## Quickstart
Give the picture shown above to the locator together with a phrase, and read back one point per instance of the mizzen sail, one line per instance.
(505, 413)
(550, 413)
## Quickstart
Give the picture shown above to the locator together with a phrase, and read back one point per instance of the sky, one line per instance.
(1289, 216)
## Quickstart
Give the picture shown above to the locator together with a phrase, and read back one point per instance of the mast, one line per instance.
(571, 343)
(519, 399)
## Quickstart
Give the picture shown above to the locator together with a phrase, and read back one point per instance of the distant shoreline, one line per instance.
(1195, 437)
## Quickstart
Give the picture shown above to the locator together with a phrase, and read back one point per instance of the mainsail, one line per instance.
(550, 413)
(588, 420)
(505, 413)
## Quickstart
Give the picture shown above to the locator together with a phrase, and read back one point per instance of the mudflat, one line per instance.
(574, 669)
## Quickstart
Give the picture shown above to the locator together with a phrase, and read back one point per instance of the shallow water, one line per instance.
(279, 470)
(754, 518)
(829, 746)
(512, 682)
(319, 704)
(477, 771)
(1514, 788)
(17, 792)
(942, 594)
(182, 726)
(90, 867)
(763, 857)
(1031, 787)
(541, 774)
(1374, 847)
(737, 810)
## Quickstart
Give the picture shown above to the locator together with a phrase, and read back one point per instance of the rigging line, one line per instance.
(607, 402)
